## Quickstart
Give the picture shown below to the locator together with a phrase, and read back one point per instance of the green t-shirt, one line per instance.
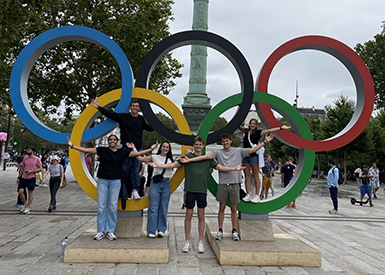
(197, 174)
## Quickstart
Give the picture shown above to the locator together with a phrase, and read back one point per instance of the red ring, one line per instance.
(356, 67)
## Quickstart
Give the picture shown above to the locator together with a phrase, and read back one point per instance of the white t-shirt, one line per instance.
(160, 160)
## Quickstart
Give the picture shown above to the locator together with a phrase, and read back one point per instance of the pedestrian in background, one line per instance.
(332, 180)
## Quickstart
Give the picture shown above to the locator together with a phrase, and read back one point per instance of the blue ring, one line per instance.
(29, 55)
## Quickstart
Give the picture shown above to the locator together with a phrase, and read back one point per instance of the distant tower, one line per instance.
(196, 104)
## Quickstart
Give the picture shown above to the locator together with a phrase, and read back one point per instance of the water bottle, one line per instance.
(64, 245)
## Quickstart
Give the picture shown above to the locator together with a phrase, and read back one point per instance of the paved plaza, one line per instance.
(351, 242)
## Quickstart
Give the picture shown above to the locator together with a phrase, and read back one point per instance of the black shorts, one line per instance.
(200, 198)
(27, 183)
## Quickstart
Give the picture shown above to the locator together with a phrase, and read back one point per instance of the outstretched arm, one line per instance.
(81, 149)
(174, 164)
(135, 153)
(199, 158)
(268, 131)
(263, 143)
(228, 169)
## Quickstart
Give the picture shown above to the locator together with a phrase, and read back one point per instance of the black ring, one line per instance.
(204, 39)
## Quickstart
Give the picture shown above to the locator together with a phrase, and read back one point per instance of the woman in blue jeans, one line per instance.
(160, 192)
(109, 181)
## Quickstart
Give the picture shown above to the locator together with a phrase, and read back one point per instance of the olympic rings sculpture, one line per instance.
(301, 138)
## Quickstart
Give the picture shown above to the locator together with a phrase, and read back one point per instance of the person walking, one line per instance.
(160, 191)
(332, 180)
(287, 172)
(375, 180)
(251, 139)
(56, 172)
(366, 187)
(109, 182)
(27, 179)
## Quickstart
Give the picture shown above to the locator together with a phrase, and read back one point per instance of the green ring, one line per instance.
(306, 157)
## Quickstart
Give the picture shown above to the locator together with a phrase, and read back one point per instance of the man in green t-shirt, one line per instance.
(195, 186)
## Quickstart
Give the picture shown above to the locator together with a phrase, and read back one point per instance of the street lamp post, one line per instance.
(22, 129)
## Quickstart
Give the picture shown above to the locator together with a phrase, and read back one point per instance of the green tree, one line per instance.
(150, 138)
(373, 53)
(219, 123)
(74, 72)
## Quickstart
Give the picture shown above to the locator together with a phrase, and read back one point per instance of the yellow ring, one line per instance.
(78, 165)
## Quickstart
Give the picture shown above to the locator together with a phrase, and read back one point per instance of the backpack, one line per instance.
(62, 161)
(340, 177)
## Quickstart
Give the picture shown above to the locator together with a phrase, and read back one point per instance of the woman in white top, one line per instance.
(160, 192)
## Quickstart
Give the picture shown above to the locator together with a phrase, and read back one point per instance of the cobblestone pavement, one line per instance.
(351, 242)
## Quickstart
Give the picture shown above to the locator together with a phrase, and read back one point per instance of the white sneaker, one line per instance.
(111, 236)
(235, 236)
(151, 236)
(333, 211)
(160, 234)
(256, 199)
(219, 236)
(186, 247)
(201, 249)
(135, 195)
(26, 211)
(246, 198)
(99, 236)
(23, 208)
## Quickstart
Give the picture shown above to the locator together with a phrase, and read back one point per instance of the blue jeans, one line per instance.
(108, 196)
(159, 197)
(133, 165)
(333, 195)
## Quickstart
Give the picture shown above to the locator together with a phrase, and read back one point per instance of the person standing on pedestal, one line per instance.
(159, 192)
(251, 139)
(131, 130)
(109, 182)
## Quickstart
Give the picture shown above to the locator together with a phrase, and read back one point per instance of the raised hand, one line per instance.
(153, 147)
(285, 127)
(130, 145)
(269, 138)
(69, 142)
(189, 150)
(95, 103)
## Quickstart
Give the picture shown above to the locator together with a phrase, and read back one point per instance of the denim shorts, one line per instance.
(366, 189)
(376, 183)
(251, 160)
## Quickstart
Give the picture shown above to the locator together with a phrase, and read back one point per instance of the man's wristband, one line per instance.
(72, 146)
(280, 128)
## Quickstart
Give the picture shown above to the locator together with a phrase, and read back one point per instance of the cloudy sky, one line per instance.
(258, 27)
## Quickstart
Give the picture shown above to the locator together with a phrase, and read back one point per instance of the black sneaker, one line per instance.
(375, 196)
(50, 208)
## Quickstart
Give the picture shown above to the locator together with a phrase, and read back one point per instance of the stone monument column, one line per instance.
(196, 104)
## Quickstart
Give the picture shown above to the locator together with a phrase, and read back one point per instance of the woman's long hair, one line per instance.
(169, 153)
(256, 123)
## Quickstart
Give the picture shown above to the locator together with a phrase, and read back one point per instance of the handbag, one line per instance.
(159, 178)
(38, 175)
(252, 144)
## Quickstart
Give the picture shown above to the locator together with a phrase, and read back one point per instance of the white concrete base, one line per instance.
(285, 250)
(124, 250)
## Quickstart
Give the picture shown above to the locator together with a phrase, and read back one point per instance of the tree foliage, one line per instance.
(150, 138)
(74, 72)
(373, 53)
